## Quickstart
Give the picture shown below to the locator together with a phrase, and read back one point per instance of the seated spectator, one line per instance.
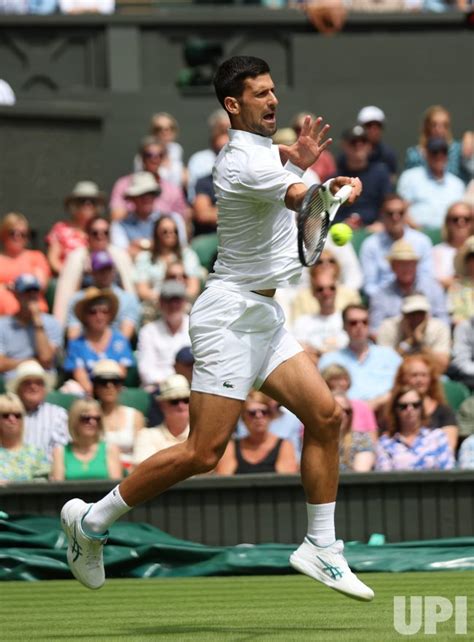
(200, 163)
(76, 273)
(305, 301)
(372, 368)
(151, 265)
(466, 454)
(174, 429)
(325, 165)
(387, 301)
(465, 419)
(87, 456)
(96, 311)
(409, 444)
(416, 331)
(30, 333)
(184, 362)
(430, 190)
(16, 260)
(18, 461)
(45, 424)
(420, 372)
(104, 276)
(462, 364)
(339, 381)
(164, 127)
(461, 291)
(82, 204)
(458, 226)
(260, 451)
(356, 449)
(375, 178)
(375, 248)
(160, 340)
(437, 124)
(372, 120)
(170, 198)
(74, 7)
(121, 423)
(322, 332)
(135, 232)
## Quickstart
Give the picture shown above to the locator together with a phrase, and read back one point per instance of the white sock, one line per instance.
(321, 529)
(105, 512)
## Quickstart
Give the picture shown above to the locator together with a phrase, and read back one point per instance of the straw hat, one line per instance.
(174, 387)
(466, 249)
(142, 183)
(107, 369)
(28, 370)
(415, 303)
(402, 251)
(91, 296)
(85, 189)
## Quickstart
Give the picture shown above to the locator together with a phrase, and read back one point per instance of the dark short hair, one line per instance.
(353, 306)
(231, 74)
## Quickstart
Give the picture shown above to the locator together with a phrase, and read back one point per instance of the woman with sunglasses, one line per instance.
(409, 444)
(16, 259)
(356, 449)
(458, 226)
(121, 423)
(260, 451)
(151, 265)
(18, 461)
(87, 456)
(461, 291)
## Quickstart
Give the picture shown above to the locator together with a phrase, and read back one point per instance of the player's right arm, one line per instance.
(296, 192)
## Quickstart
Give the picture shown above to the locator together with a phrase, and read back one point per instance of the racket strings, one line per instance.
(314, 231)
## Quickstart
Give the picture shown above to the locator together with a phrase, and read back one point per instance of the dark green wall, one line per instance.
(87, 85)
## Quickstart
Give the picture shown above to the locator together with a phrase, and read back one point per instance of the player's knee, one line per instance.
(325, 425)
(206, 459)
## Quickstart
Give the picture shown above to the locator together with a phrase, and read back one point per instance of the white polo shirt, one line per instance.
(257, 234)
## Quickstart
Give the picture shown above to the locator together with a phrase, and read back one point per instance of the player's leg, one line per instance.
(296, 384)
(212, 420)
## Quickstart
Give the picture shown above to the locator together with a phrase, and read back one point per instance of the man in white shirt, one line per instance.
(238, 337)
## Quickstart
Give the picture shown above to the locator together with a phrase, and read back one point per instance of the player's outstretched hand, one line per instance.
(311, 142)
(340, 181)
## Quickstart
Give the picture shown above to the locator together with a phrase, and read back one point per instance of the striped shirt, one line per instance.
(46, 427)
(429, 451)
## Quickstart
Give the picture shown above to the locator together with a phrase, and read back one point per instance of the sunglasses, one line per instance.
(33, 382)
(98, 233)
(93, 312)
(325, 261)
(459, 219)
(84, 200)
(392, 213)
(255, 413)
(87, 419)
(328, 288)
(105, 382)
(176, 402)
(7, 415)
(168, 232)
(401, 405)
(354, 322)
(153, 155)
(17, 234)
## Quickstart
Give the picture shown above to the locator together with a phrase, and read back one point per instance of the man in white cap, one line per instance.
(46, 425)
(173, 399)
(372, 120)
(416, 331)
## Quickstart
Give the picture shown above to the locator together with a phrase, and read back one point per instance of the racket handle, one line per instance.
(343, 194)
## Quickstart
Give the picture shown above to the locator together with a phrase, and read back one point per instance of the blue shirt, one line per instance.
(129, 308)
(81, 355)
(430, 450)
(387, 301)
(466, 453)
(132, 228)
(375, 267)
(376, 185)
(18, 341)
(429, 197)
(371, 377)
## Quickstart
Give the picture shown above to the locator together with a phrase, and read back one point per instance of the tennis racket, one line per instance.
(317, 211)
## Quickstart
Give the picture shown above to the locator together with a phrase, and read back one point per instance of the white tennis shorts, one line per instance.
(238, 339)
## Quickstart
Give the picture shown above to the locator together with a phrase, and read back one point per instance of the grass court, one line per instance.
(221, 609)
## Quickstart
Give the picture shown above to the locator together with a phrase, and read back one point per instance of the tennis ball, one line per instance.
(341, 233)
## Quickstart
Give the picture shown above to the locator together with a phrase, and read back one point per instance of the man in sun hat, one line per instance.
(372, 119)
(45, 424)
(173, 399)
(387, 300)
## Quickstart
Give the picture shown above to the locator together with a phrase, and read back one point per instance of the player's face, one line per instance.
(256, 108)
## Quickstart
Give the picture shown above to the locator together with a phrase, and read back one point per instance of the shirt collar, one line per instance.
(240, 136)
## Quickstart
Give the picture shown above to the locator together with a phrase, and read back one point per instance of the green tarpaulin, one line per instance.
(34, 548)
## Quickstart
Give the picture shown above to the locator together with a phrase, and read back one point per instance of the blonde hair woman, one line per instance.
(458, 227)
(87, 456)
(16, 259)
(18, 461)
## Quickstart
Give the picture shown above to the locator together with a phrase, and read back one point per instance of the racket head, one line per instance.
(313, 226)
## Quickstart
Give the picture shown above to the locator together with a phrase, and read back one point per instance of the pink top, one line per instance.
(28, 262)
(170, 200)
(363, 418)
(68, 237)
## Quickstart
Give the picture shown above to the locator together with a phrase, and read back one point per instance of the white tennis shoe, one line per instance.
(328, 566)
(84, 552)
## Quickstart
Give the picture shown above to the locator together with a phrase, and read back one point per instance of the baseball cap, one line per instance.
(415, 303)
(175, 386)
(101, 260)
(185, 356)
(354, 133)
(370, 114)
(26, 282)
(437, 145)
(172, 289)
(107, 369)
(142, 183)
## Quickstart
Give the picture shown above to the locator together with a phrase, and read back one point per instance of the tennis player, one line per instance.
(238, 337)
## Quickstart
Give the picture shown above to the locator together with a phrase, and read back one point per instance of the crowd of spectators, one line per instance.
(100, 318)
